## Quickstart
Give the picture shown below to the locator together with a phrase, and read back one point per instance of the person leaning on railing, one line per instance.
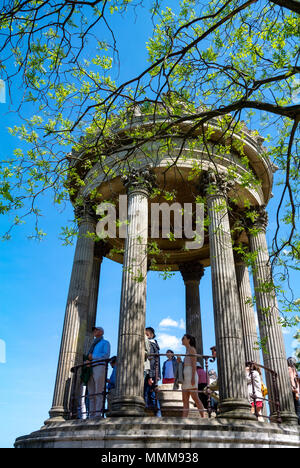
(99, 350)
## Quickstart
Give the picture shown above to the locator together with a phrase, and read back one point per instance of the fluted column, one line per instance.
(247, 310)
(192, 272)
(75, 323)
(100, 251)
(268, 318)
(230, 347)
(129, 399)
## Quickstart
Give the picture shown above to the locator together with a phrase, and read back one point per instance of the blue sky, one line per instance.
(34, 285)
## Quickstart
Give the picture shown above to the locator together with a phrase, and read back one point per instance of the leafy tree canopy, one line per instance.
(228, 59)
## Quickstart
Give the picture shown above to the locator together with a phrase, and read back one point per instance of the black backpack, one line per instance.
(154, 349)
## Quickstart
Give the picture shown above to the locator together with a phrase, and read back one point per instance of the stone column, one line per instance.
(75, 323)
(129, 400)
(101, 250)
(271, 336)
(228, 326)
(247, 310)
(192, 272)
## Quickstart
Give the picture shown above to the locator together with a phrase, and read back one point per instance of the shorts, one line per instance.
(259, 404)
(187, 378)
(168, 381)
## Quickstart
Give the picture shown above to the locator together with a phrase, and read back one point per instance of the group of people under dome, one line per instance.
(187, 376)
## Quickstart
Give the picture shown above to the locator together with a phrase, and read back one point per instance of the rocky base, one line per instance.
(157, 433)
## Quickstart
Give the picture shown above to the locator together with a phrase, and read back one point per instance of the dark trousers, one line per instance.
(149, 393)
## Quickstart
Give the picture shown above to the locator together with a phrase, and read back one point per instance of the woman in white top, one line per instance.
(190, 379)
(254, 383)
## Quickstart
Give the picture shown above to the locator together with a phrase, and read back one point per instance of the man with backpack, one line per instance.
(153, 375)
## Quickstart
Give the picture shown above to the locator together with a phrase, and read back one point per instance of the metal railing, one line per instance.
(80, 402)
(272, 402)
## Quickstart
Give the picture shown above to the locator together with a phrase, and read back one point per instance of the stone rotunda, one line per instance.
(199, 170)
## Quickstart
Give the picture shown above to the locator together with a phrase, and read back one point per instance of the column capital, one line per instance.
(139, 180)
(239, 258)
(101, 249)
(85, 212)
(260, 220)
(214, 184)
(191, 271)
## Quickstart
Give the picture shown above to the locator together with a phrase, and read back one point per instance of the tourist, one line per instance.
(169, 368)
(214, 352)
(202, 384)
(99, 350)
(254, 384)
(190, 381)
(153, 375)
(147, 366)
(147, 370)
(154, 349)
(213, 387)
(112, 379)
(111, 383)
(295, 386)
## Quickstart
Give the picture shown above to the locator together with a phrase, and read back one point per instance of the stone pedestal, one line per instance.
(171, 405)
(157, 433)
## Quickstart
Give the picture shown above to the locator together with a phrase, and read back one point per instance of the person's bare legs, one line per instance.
(259, 414)
(186, 403)
(198, 403)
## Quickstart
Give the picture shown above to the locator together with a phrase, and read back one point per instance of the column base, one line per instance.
(130, 406)
(155, 433)
(235, 409)
(57, 414)
(290, 419)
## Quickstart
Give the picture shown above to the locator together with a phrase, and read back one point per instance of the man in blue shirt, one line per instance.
(99, 350)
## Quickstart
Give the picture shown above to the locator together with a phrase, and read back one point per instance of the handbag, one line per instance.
(264, 390)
